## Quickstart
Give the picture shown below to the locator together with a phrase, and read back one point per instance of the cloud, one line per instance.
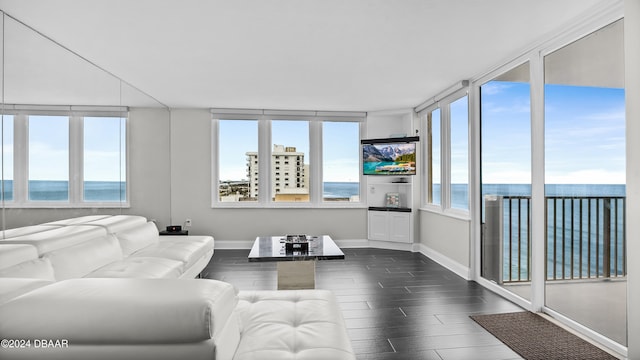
(103, 166)
(48, 163)
(339, 170)
(587, 176)
(495, 87)
(612, 115)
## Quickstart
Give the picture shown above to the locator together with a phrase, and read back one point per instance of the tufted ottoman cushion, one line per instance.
(291, 324)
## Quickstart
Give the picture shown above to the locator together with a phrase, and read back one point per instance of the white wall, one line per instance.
(632, 91)
(446, 240)
(191, 196)
(382, 124)
(149, 171)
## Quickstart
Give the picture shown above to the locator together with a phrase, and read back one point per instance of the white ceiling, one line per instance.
(361, 55)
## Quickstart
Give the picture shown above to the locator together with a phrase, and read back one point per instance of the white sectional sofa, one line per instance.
(21, 270)
(173, 319)
(124, 246)
(109, 287)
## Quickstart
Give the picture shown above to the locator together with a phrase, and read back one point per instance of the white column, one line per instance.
(537, 184)
(632, 91)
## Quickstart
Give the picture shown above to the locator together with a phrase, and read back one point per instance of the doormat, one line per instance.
(536, 338)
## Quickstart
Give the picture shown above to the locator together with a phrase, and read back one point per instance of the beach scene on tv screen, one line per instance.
(389, 159)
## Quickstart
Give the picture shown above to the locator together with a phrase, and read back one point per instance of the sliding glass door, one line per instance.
(564, 248)
(506, 180)
(585, 182)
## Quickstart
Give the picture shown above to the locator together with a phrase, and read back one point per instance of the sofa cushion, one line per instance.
(291, 324)
(77, 220)
(13, 287)
(21, 261)
(81, 259)
(121, 311)
(140, 267)
(34, 269)
(13, 254)
(26, 230)
(117, 223)
(137, 237)
(58, 237)
(187, 249)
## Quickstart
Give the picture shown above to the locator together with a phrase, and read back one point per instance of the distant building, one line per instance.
(289, 181)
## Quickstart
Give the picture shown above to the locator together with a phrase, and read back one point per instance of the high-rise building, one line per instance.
(289, 181)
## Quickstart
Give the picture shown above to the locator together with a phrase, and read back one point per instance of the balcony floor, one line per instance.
(600, 305)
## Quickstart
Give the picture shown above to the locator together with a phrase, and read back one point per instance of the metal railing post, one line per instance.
(606, 237)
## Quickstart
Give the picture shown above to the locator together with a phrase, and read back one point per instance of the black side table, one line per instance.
(181, 232)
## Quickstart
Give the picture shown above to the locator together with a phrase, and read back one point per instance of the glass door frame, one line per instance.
(535, 56)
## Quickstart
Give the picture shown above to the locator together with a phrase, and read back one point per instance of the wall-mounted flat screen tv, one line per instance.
(389, 158)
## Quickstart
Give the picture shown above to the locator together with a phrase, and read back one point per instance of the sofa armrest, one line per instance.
(121, 311)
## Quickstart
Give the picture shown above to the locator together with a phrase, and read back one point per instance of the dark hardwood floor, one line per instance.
(396, 304)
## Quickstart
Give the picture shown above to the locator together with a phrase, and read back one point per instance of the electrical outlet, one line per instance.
(187, 222)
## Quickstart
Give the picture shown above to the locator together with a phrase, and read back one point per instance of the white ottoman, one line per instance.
(291, 324)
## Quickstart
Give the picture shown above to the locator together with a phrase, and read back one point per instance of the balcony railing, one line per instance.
(585, 237)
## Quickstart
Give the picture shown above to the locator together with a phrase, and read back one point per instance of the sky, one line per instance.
(584, 134)
(584, 140)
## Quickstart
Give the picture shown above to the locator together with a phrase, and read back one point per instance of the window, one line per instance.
(291, 138)
(505, 168)
(64, 158)
(459, 115)
(447, 148)
(238, 159)
(104, 159)
(311, 160)
(48, 158)
(340, 161)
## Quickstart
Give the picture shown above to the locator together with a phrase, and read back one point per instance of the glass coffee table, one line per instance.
(296, 261)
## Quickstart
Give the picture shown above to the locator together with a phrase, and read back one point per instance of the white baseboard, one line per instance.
(390, 245)
(456, 267)
(353, 243)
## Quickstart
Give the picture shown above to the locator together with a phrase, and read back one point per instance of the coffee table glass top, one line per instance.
(272, 248)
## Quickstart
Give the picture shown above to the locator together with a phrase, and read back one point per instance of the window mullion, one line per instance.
(20, 158)
(76, 165)
(215, 166)
(445, 157)
(315, 162)
(264, 161)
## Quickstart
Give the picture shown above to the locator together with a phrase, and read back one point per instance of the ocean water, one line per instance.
(98, 191)
(339, 190)
(460, 192)
(115, 191)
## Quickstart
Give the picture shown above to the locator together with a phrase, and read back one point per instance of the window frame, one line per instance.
(76, 156)
(444, 104)
(265, 148)
(427, 201)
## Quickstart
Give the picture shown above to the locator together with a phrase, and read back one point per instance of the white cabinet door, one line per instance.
(400, 227)
(378, 225)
